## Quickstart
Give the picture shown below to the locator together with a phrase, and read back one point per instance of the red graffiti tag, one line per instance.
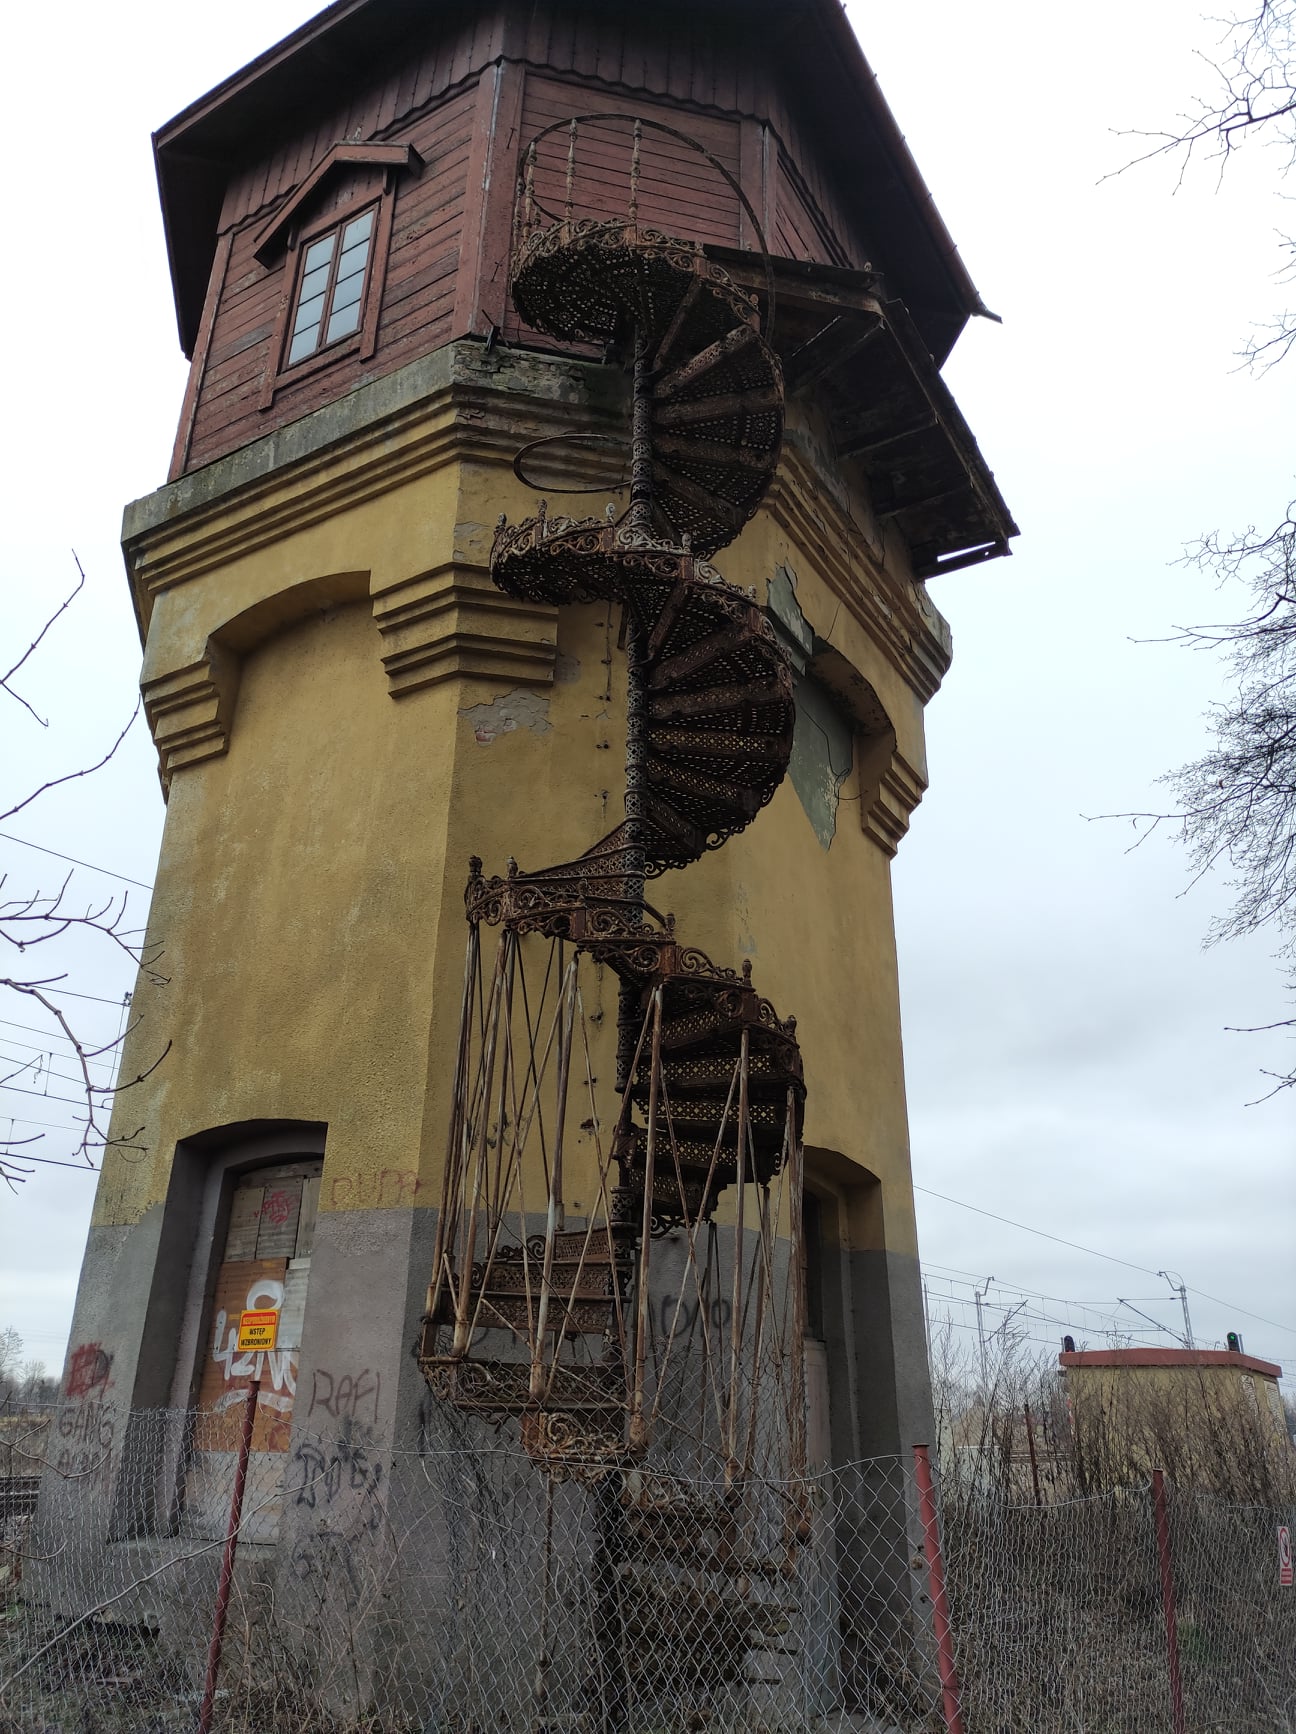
(277, 1208)
(90, 1366)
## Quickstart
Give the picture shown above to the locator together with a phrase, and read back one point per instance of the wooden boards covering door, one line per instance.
(264, 1264)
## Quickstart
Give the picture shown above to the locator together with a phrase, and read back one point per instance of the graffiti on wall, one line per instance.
(228, 1372)
(276, 1368)
(86, 1427)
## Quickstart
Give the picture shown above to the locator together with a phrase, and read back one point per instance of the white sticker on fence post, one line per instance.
(1284, 1557)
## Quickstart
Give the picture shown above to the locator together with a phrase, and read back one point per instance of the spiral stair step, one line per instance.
(698, 1160)
(759, 703)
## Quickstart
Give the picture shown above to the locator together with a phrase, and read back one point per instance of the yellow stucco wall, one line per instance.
(346, 710)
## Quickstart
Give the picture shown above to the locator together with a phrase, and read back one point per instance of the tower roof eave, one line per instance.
(196, 152)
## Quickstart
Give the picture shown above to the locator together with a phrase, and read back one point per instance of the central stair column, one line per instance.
(639, 518)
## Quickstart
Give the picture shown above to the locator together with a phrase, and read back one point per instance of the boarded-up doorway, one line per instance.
(264, 1263)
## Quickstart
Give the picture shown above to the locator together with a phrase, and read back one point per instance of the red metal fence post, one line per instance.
(227, 1561)
(1162, 1517)
(953, 1715)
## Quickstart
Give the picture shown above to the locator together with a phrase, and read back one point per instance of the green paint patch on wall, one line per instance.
(822, 748)
(823, 738)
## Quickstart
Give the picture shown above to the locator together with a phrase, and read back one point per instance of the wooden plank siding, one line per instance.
(679, 190)
(801, 230)
(417, 302)
(468, 101)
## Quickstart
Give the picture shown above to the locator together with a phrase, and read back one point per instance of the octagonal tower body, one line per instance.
(346, 709)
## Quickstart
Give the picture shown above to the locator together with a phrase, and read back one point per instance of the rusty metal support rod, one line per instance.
(556, 1216)
(951, 1711)
(639, 518)
(736, 1305)
(227, 1561)
(638, 1426)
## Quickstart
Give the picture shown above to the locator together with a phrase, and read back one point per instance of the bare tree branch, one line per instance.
(61, 609)
(42, 918)
(72, 776)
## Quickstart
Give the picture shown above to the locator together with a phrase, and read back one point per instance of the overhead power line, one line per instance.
(20, 1156)
(1043, 1234)
(50, 1125)
(1258, 1317)
(1093, 1252)
(73, 861)
(50, 1035)
(70, 993)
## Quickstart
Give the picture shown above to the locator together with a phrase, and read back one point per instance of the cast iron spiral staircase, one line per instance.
(709, 733)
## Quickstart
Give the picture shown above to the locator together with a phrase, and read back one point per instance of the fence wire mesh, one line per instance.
(450, 1588)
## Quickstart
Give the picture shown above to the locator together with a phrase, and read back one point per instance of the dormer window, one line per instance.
(330, 242)
(329, 303)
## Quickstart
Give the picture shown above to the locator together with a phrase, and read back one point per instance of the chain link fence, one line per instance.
(449, 1588)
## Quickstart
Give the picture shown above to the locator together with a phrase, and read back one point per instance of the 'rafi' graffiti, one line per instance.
(346, 1396)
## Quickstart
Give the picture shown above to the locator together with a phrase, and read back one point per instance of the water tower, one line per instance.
(563, 459)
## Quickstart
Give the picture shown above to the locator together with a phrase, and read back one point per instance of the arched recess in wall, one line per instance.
(236, 1234)
(327, 590)
(842, 730)
(859, 1302)
(191, 710)
(864, 1285)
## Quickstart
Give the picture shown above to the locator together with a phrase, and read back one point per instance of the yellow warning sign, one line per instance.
(258, 1330)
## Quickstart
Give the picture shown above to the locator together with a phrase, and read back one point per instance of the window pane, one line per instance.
(359, 229)
(353, 260)
(344, 319)
(320, 252)
(309, 313)
(346, 294)
(303, 343)
(313, 283)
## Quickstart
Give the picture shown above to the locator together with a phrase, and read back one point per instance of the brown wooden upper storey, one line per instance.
(346, 203)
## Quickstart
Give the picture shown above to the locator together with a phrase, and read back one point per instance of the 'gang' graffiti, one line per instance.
(87, 1429)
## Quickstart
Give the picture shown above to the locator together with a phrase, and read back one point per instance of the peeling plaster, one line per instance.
(472, 541)
(822, 736)
(822, 753)
(510, 711)
(795, 632)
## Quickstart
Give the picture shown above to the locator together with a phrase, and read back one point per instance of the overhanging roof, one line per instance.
(1172, 1358)
(856, 134)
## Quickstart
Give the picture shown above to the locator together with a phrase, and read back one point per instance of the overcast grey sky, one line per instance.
(1069, 1066)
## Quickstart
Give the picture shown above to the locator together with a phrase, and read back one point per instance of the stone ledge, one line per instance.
(190, 710)
(899, 789)
(452, 622)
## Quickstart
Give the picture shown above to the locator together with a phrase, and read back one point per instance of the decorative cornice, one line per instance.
(895, 611)
(454, 406)
(465, 406)
(899, 789)
(190, 710)
(452, 623)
